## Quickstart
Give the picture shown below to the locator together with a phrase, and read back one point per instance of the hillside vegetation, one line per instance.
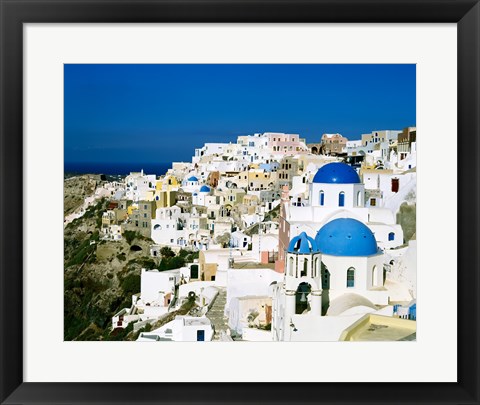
(101, 276)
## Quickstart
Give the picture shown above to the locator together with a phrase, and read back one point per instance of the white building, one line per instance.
(240, 240)
(139, 186)
(157, 292)
(181, 329)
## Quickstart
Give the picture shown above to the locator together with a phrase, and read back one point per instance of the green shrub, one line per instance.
(192, 256)
(167, 252)
(183, 253)
(129, 236)
(131, 284)
(169, 263)
(147, 263)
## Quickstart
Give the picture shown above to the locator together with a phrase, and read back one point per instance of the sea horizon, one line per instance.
(116, 168)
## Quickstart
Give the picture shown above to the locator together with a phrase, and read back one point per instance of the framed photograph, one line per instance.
(241, 202)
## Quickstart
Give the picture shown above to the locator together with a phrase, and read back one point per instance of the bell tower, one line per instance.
(302, 278)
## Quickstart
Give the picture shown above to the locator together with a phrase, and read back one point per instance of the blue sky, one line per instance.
(160, 113)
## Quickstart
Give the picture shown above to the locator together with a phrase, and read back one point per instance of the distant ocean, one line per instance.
(116, 168)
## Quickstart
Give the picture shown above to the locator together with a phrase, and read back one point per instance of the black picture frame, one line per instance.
(14, 13)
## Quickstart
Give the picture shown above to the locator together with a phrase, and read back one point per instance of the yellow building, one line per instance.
(207, 265)
(131, 208)
(166, 191)
(260, 179)
(168, 183)
(166, 198)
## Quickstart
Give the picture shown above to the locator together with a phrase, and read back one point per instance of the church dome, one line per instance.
(193, 178)
(302, 244)
(204, 189)
(346, 237)
(336, 173)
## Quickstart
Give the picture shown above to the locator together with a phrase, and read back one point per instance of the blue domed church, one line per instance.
(335, 192)
(332, 253)
(337, 185)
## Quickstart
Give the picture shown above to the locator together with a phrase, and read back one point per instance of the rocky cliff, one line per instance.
(75, 189)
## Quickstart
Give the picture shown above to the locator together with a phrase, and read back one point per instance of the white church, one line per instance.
(333, 258)
(337, 192)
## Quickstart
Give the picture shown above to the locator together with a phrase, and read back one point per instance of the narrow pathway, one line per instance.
(216, 314)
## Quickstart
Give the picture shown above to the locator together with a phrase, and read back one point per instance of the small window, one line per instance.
(391, 236)
(341, 199)
(351, 277)
(322, 198)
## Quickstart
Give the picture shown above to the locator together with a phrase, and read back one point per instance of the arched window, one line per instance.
(290, 265)
(374, 276)
(341, 199)
(322, 197)
(391, 236)
(156, 227)
(351, 277)
(301, 298)
(359, 199)
(305, 268)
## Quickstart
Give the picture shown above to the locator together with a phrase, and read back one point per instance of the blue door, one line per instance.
(200, 335)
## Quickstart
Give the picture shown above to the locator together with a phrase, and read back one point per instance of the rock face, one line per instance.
(99, 276)
(75, 189)
(100, 286)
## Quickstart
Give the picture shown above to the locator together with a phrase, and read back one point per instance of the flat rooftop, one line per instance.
(371, 328)
(253, 265)
(197, 321)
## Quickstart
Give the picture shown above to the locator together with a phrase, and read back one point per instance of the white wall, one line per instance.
(241, 308)
(242, 282)
(256, 335)
(331, 195)
(153, 282)
(338, 266)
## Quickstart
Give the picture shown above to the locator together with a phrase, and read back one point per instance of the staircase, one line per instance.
(216, 314)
